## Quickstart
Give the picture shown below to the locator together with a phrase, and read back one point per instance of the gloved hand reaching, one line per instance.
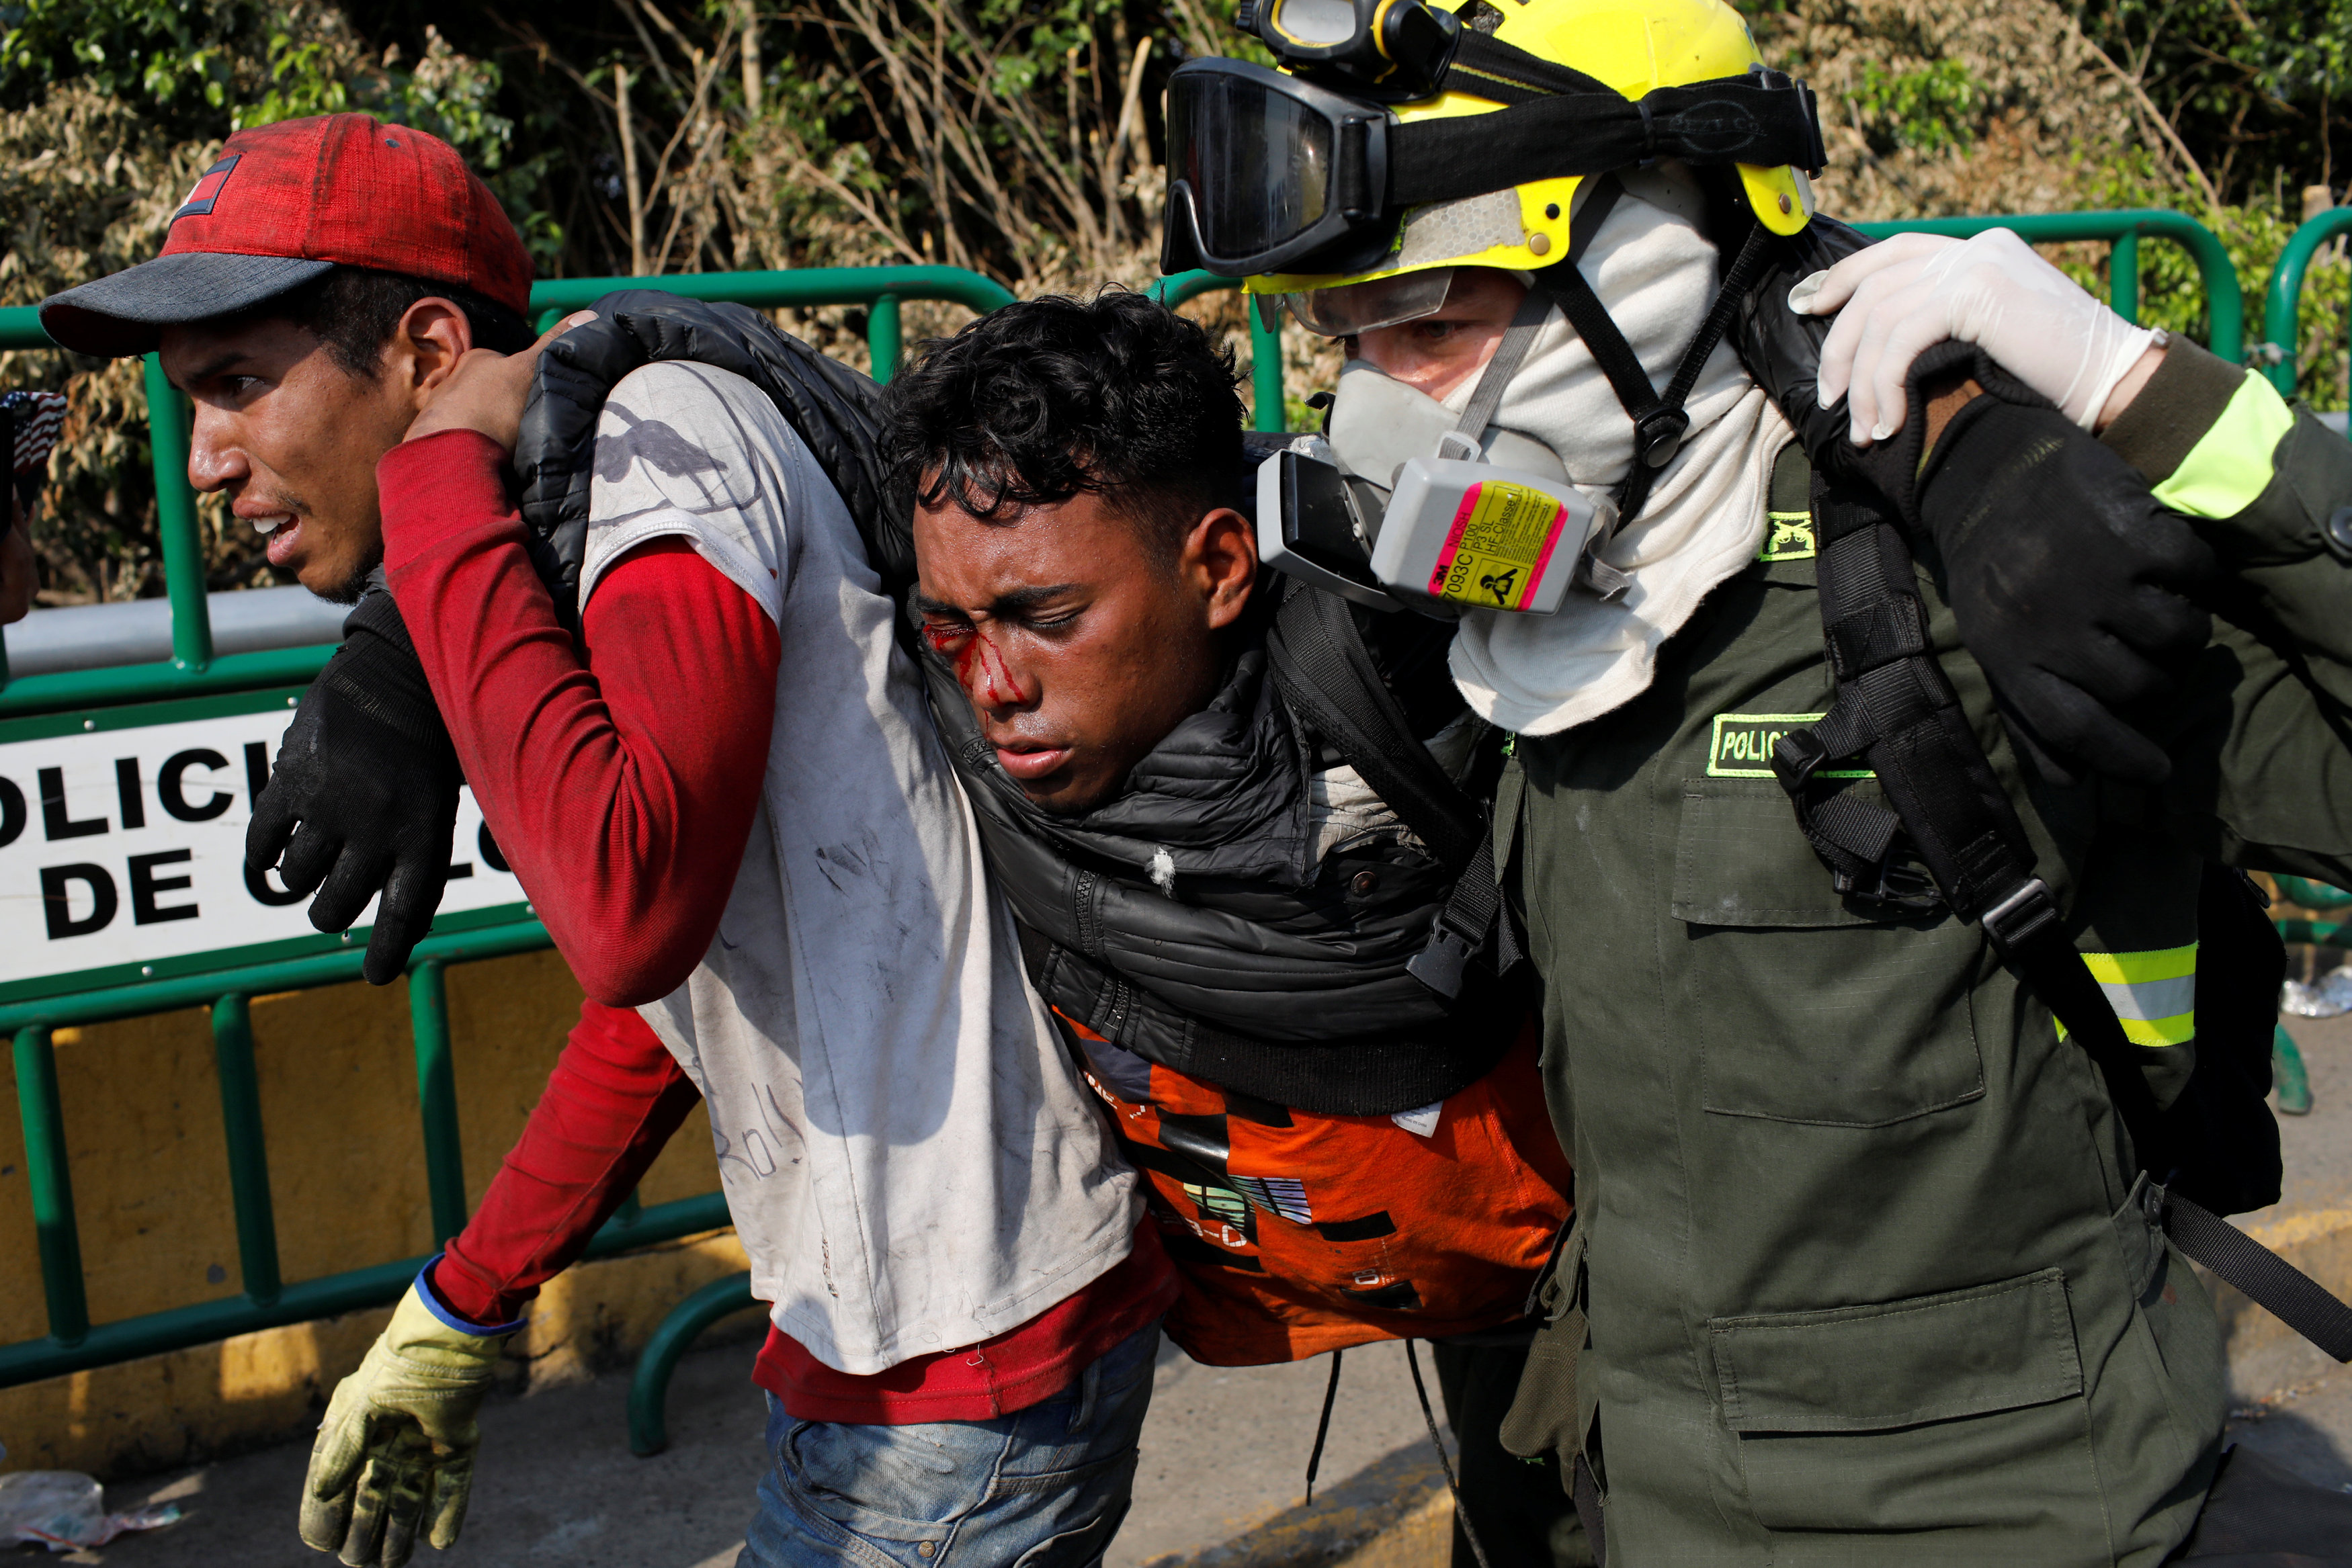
(394, 1456)
(2067, 580)
(364, 796)
(1899, 297)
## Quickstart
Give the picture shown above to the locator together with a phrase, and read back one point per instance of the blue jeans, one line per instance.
(1047, 1487)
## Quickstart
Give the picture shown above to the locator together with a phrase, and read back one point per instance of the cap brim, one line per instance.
(126, 313)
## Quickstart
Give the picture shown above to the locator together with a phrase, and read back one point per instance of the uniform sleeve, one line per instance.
(615, 1097)
(2264, 758)
(2218, 444)
(620, 773)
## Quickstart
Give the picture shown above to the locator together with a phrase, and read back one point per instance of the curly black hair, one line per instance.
(1051, 398)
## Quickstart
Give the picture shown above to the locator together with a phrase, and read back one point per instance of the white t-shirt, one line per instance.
(907, 1150)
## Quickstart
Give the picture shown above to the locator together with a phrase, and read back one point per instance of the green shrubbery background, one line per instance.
(1023, 140)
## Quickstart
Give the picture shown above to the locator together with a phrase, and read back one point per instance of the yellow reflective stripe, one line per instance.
(2130, 968)
(2152, 993)
(2177, 1030)
(2231, 464)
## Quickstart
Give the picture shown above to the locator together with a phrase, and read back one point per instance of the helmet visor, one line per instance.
(1356, 308)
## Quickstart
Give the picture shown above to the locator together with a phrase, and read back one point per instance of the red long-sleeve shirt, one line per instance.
(620, 775)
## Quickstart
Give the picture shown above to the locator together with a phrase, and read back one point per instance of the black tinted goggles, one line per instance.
(1268, 173)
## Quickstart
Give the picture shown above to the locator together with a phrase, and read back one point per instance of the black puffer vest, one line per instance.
(1191, 919)
(837, 411)
(1248, 961)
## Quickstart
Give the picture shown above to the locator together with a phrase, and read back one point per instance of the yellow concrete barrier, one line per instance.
(347, 1179)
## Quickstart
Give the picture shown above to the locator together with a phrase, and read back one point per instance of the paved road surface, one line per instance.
(1223, 1451)
(2309, 1428)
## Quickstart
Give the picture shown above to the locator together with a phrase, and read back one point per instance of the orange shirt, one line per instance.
(1294, 1233)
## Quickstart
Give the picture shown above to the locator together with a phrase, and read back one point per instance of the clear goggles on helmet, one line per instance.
(1274, 172)
(1354, 308)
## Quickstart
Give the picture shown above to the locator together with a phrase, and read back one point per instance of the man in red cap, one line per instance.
(321, 278)
(331, 229)
(727, 801)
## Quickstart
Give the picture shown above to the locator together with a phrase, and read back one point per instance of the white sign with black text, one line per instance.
(127, 846)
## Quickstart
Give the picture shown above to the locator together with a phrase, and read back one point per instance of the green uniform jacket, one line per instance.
(1859, 1265)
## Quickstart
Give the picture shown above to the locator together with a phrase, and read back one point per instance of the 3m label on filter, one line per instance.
(1501, 541)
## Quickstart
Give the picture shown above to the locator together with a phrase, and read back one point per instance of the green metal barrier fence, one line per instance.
(2282, 299)
(74, 1343)
(193, 669)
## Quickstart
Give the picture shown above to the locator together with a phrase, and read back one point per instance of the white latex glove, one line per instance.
(395, 1459)
(1903, 295)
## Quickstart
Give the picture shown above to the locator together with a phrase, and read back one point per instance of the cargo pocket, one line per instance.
(1810, 1010)
(1958, 1411)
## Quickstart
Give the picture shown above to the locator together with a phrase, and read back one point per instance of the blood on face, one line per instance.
(977, 658)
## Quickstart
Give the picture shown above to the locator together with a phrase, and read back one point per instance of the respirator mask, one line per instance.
(1405, 504)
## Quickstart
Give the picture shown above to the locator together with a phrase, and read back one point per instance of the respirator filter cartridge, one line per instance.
(1474, 534)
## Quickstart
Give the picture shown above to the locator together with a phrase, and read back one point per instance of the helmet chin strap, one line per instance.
(1659, 422)
(1466, 439)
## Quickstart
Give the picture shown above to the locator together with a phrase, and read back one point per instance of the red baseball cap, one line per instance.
(285, 204)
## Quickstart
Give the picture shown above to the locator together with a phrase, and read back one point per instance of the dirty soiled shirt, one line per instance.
(908, 1154)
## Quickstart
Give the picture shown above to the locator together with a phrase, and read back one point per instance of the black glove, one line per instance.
(2072, 598)
(2068, 582)
(365, 795)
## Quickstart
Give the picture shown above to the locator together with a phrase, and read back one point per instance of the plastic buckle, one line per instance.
(1439, 965)
(1460, 446)
(2154, 1202)
(1903, 888)
(1658, 435)
(2019, 915)
(1796, 757)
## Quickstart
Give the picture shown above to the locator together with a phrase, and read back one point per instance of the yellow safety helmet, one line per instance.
(1303, 179)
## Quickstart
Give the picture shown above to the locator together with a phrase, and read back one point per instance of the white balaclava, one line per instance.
(1538, 675)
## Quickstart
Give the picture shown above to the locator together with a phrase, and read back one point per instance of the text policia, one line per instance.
(126, 847)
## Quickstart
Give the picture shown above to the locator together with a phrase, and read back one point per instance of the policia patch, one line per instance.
(1741, 746)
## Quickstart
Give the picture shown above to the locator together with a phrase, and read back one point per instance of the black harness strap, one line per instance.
(1893, 710)
(1475, 908)
(1325, 673)
(1323, 1426)
(2261, 1275)
(1893, 707)
(1659, 422)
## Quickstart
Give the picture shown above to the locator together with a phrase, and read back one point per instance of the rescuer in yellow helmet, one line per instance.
(1873, 1261)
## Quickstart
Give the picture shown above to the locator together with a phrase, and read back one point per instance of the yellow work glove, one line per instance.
(394, 1456)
